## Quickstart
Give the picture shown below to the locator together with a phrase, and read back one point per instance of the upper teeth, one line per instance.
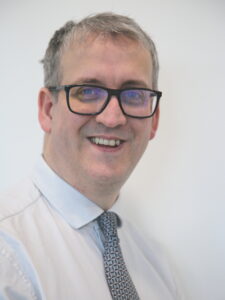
(106, 142)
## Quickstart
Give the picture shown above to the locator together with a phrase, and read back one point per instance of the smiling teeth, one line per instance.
(105, 142)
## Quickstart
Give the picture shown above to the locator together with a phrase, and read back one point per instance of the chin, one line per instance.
(109, 176)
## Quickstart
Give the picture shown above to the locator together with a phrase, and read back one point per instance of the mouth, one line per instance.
(106, 142)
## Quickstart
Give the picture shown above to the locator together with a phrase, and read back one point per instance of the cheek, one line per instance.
(61, 128)
(142, 131)
(142, 145)
(68, 128)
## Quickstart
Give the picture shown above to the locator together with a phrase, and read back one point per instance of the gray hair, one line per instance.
(106, 24)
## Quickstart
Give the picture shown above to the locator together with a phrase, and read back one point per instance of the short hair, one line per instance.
(107, 24)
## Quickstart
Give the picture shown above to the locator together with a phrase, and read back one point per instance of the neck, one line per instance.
(102, 191)
(99, 194)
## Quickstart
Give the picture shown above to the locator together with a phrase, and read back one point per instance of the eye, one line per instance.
(134, 97)
(87, 93)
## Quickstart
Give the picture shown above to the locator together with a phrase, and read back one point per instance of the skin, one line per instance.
(97, 172)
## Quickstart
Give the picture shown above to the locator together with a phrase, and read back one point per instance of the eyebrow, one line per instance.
(135, 83)
(88, 81)
(127, 83)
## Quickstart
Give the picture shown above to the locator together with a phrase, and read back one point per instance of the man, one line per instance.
(98, 109)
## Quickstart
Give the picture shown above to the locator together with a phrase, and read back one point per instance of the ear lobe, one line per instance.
(155, 122)
(45, 104)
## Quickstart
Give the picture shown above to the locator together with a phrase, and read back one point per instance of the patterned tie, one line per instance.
(118, 278)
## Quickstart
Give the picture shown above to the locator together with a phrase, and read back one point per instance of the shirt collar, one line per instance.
(74, 207)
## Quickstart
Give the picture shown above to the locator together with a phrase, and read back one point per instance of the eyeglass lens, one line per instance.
(90, 100)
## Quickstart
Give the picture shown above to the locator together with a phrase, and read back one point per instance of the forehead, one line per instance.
(105, 57)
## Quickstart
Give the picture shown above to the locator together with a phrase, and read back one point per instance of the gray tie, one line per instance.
(118, 278)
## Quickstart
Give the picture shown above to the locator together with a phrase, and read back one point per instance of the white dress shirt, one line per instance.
(51, 246)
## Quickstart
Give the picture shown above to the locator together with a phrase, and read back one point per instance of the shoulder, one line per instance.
(18, 198)
(18, 277)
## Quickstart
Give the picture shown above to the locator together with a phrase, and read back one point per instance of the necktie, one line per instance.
(118, 278)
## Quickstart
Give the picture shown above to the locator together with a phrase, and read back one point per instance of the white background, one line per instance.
(177, 192)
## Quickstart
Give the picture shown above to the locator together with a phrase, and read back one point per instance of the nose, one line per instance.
(112, 116)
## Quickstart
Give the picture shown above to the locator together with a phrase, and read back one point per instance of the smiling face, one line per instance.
(97, 153)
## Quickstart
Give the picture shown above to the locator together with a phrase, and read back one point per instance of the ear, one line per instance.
(45, 105)
(155, 122)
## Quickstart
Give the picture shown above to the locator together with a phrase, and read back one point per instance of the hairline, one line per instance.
(79, 37)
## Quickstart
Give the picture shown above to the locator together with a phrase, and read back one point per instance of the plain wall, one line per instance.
(176, 194)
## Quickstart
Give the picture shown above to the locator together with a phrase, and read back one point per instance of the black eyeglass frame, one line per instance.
(111, 92)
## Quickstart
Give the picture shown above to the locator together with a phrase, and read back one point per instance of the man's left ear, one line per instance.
(155, 122)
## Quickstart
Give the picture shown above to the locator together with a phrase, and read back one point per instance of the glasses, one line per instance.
(92, 100)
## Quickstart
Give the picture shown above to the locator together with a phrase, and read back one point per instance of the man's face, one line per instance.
(69, 147)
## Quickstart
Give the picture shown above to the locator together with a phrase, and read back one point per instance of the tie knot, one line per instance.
(108, 224)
